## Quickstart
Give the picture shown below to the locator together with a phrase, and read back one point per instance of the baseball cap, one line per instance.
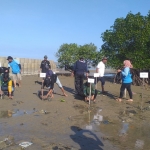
(9, 57)
(45, 56)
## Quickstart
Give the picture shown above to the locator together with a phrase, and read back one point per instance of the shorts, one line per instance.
(102, 79)
(58, 83)
(16, 76)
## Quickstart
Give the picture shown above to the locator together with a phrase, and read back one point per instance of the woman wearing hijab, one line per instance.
(126, 80)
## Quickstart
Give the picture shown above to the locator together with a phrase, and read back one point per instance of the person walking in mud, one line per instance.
(80, 67)
(101, 70)
(126, 80)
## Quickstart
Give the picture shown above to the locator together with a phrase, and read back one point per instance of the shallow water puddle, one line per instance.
(22, 112)
(15, 113)
(124, 135)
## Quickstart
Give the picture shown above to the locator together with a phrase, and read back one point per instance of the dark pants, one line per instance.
(102, 79)
(125, 86)
(79, 78)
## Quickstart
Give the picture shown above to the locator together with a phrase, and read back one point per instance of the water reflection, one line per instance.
(96, 120)
(124, 135)
(139, 144)
(125, 127)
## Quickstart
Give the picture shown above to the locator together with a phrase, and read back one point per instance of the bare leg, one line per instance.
(92, 98)
(14, 83)
(10, 96)
(50, 93)
(19, 82)
(63, 92)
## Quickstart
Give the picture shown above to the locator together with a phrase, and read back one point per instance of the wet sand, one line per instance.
(67, 123)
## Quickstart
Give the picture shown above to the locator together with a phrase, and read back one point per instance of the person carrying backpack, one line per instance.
(6, 84)
(16, 70)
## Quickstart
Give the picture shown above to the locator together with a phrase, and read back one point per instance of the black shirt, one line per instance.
(49, 82)
(45, 64)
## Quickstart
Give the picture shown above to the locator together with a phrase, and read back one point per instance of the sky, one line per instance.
(34, 28)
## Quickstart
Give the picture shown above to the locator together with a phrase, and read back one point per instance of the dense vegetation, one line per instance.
(127, 38)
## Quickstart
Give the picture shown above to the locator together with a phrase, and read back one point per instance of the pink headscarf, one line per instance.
(127, 63)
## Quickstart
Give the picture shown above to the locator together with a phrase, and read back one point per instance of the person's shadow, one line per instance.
(89, 142)
(37, 82)
(68, 89)
(72, 91)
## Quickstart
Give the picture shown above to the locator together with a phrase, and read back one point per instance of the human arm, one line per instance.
(98, 68)
(51, 89)
(41, 67)
(86, 70)
(125, 72)
(74, 69)
(10, 88)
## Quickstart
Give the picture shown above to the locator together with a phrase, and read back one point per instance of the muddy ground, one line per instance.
(67, 123)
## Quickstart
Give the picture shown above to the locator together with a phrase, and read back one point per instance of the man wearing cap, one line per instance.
(80, 67)
(101, 70)
(45, 64)
(16, 70)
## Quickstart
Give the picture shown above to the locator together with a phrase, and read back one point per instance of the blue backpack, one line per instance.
(15, 67)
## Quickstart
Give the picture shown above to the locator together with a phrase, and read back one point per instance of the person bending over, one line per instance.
(56, 80)
(49, 83)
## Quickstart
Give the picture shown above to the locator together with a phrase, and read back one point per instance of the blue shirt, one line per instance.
(126, 75)
(14, 66)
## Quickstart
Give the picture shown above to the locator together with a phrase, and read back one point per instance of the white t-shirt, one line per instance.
(101, 68)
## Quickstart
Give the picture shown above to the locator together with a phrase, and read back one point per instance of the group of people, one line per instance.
(7, 84)
(49, 79)
(80, 72)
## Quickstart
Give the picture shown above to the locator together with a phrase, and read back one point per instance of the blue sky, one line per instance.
(33, 28)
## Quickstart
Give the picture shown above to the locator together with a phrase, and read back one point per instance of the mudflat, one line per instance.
(68, 123)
